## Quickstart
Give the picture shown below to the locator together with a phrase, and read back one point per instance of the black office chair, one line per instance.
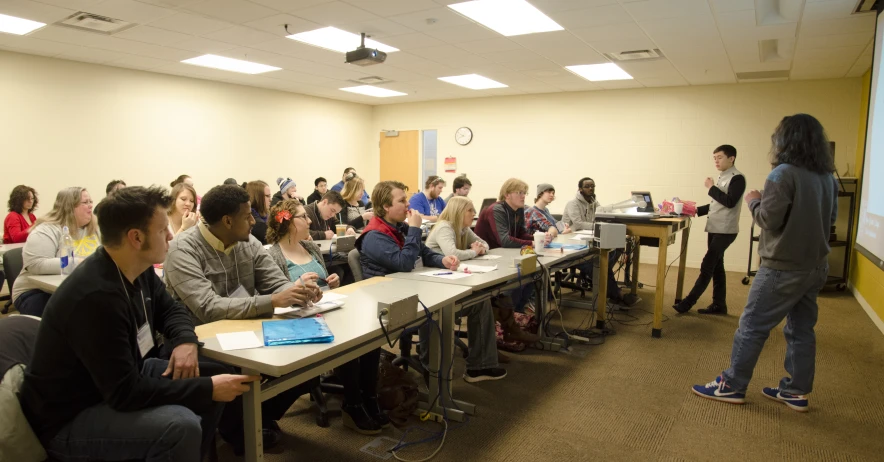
(12, 265)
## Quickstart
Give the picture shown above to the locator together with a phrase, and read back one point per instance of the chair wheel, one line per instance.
(322, 420)
(745, 281)
(841, 287)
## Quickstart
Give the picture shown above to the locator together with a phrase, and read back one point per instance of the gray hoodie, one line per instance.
(579, 214)
(40, 254)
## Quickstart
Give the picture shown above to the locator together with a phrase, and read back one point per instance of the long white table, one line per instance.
(356, 330)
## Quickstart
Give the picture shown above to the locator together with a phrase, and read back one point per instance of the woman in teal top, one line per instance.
(288, 229)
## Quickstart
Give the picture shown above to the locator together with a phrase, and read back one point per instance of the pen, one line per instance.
(301, 278)
(441, 274)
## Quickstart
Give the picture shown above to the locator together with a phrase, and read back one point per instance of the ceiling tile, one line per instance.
(740, 25)
(618, 46)
(412, 41)
(853, 25)
(138, 62)
(554, 6)
(561, 47)
(132, 11)
(449, 55)
(376, 28)
(76, 5)
(618, 84)
(675, 81)
(610, 32)
(724, 6)
(203, 45)
(233, 11)
(302, 51)
(649, 69)
(464, 33)
(834, 41)
(302, 77)
(29, 44)
(648, 10)
(243, 36)
(163, 3)
(754, 65)
(828, 55)
(276, 24)
(290, 5)
(91, 55)
(831, 9)
(590, 17)
(386, 8)
(156, 36)
(861, 65)
(34, 11)
(413, 62)
(395, 73)
(490, 45)
(334, 14)
(444, 17)
(190, 24)
(682, 30)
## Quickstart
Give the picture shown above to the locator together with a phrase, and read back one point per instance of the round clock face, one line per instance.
(463, 136)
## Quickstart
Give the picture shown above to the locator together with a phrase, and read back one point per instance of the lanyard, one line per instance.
(143, 304)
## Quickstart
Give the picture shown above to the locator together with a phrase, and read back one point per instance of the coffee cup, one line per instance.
(341, 230)
(679, 207)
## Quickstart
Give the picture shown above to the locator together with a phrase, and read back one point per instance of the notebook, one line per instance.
(296, 331)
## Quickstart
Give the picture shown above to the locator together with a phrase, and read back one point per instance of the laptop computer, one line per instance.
(345, 244)
(644, 196)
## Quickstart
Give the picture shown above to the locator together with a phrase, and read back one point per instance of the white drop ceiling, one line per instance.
(703, 41)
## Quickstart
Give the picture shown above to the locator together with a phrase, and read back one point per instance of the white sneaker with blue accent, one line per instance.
(796, 402)
(719, 390)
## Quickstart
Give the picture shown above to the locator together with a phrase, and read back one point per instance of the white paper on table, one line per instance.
(486, 257)
(239, 340)
(328, 300)
(445, 274)
(582, 237)
(584, 231)
(281, 311)
(475, 268)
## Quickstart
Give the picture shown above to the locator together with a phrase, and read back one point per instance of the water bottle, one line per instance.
(539, 240)
(66, 252)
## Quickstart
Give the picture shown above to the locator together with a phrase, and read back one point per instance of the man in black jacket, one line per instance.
(95, 389)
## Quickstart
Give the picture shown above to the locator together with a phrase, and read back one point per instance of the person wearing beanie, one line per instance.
(231, 181)
(287, 190)
(538, 218)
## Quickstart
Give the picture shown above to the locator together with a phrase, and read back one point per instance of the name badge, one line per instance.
(145, 339)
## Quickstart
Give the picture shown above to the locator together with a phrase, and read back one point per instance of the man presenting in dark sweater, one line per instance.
(95, 389)
(722, 225)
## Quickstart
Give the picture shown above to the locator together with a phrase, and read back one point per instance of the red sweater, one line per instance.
(501, 226)
(15, 228)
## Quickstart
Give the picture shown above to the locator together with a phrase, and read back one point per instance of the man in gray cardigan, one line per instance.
(220, 271)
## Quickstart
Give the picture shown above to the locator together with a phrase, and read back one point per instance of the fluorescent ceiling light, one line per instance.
(507, 17)
(18, 26)
(473, 81)
(230, 64)
(332, 38)
(370, 90)
(599, 72)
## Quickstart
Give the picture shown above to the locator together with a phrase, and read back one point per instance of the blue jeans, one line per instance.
(162, 433)
(521, 296)
(481, 337)
(775, 295)
(32, 302)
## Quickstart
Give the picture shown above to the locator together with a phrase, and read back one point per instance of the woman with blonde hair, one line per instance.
(259, 200)
(72, 209)
(355, 214)
(183, 213)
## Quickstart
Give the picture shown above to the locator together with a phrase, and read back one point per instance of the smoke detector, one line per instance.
(90, 22)
(636, 55)
(371, 80)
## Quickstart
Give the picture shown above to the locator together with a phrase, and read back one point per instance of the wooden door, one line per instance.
(400, 159)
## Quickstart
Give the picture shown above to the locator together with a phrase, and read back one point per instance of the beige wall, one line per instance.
(64, 123)
(659, 139)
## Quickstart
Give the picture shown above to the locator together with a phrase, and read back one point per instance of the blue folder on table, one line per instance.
(556, 245)
(296, 331)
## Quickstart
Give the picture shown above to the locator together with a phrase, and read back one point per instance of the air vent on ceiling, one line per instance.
(372, 80)
(762, 76)
(866, 6)
(95, 23)
(635, 55)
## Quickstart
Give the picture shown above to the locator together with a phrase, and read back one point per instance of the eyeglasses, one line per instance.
(304, 216)
(86, 203)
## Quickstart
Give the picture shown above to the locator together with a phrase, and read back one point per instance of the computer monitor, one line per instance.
(644, 196)
(487, 203)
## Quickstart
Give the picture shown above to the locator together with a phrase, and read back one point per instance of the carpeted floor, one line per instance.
(629, 398)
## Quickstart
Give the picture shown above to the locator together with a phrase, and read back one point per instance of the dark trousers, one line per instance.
(359, 377)
(32, 302)
(712, 269)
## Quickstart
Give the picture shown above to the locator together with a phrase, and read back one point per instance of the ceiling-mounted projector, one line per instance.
(365, 56)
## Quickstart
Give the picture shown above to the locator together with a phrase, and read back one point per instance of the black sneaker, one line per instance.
(481, 375)
(714, 309)
(374, 410)
(683, 306)
(356, 418)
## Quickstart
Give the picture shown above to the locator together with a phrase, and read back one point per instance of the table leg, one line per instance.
(685, 234)
(444, 344)
(252, 426)
(657, 331)
(635, 260)
(600, 280)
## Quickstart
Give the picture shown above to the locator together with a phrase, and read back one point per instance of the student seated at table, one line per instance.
(114, 186)
(428, 203)
(40, 255)
(355, 213)
(95, 389)
(538, 217)
(22, 203)
(452, 236)
(288, 189)
(320, 187)
(580, 214)
(323, 216)
(183, 214)
(220, 271)
(339, 186)
(259, 201)
(503, 225)
(461, 187)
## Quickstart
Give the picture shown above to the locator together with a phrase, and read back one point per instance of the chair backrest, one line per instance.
(557, 216)
(487, 203)
(12, 265)
(355, 264)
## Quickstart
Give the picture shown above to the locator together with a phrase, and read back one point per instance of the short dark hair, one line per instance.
(460, 182)
(801, 140)
(580, 183)
(110, 186)
(18, 196)
(319, 180)
(727, 149)
(129, 208)
(348, 170)
(334, 197)
(222, 200)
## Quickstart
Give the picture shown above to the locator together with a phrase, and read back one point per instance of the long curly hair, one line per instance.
(18, 196)
(276, 229)
(800, 140)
